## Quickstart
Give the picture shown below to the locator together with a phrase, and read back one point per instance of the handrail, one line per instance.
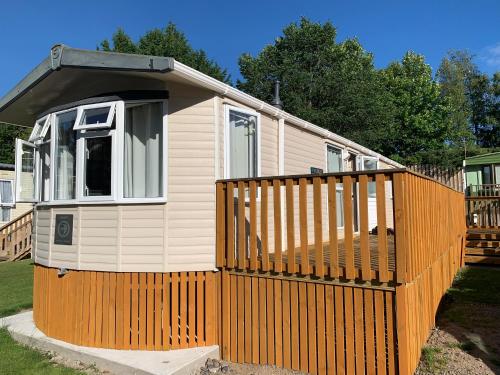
(15, 236)
(288, 224)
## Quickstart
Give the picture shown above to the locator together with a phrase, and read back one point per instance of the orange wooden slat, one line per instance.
(248, 318)
(264, 227)
(339, 329)
(363, 223)
(192, 309)
(321, 328)
(166, 309)
(369, 331)
(303, 337)
(230, 225)
(359, 330)
(290, 227)
(318, 228)
(241, 252)
(400, 226)
(200, 307)
(112, 311)
(330, 330)
(294, 324)
(311, 327)
(174, 292)
(304, 250)
(158, 311)
(142, 310)
(120, 305)
(382, 229)
(278, 328)
(128, 300)
(380, 331)
(183, 301)
(263, 320)
(348, 227)
(286, 324)
(221, 225)
(271, 345)
(332, 227)
(240, 293)
(253, 225)
(255, 320)
(278, 257)
(349, 331)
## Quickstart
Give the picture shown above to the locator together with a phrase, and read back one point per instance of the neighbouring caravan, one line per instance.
(122, 164)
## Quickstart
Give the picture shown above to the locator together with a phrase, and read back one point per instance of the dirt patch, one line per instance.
(213, 366)
(467, 341)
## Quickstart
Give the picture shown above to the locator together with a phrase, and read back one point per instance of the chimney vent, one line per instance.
(277, 101)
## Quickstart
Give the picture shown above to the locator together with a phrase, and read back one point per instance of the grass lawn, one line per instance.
(16, 294)
(469, 326)
(16, 286)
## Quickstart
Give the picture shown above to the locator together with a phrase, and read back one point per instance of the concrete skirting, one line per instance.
(137, 362)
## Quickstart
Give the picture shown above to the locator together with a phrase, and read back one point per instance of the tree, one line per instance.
(8, 135)
(168, 42)
(421, 121)
(333, 85)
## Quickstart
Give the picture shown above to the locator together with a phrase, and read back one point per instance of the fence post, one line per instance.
(399, 225)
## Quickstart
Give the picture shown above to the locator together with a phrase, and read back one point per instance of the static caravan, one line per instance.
(122, 165)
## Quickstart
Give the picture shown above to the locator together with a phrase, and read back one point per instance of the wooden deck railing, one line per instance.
(485, 190)
(483, 211)
(15, 237)
(290, 224)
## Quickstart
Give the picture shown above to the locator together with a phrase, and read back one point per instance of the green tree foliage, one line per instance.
(168, 42)
(421, 117)
(333, 85)
(8, 135)
(473, 97)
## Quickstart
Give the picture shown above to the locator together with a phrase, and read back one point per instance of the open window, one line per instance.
(25, 171)
(40, 129)
(95, 116)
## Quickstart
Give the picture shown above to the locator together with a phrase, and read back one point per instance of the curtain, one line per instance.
(66, 156)
(143, 151)
(243, 145)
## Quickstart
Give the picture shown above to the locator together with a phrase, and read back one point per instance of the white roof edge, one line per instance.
(213, 84)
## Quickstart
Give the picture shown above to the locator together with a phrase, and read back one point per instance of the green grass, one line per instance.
(16, 294)
(16, 359)
(477, 285)
(16, 287)
(433, 359)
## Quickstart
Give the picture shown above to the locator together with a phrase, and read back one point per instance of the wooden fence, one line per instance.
(141, 311)
(15, 237)
(452, 177)
(299, 291)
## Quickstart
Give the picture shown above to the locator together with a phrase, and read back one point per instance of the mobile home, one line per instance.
(149, 178)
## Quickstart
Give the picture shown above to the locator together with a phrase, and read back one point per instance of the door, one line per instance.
(25, 171)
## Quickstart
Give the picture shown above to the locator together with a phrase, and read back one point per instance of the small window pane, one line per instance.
(242, 145)
(98, 167)
(334, 159)
(44, 171)
(27, 176)
(6, 192)
(65, 173)
(5, 213)
(143, 151)
(95, 116)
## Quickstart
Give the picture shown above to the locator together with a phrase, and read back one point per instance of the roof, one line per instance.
(52, 83)
(7, 167)
(491, 158)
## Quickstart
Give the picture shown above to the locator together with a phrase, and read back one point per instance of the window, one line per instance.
(370, 164)
(97, 175)
(25, 171)
(95, 116)
(334, 163)
(103, 152)
(143, 151)
(6, 199)
(65, 153)
(242, 137)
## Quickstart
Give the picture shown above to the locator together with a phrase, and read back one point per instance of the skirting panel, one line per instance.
(145, 311)
(311, 327)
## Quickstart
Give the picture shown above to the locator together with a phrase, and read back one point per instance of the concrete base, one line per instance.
(137, 362)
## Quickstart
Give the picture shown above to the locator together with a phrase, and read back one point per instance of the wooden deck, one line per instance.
(327, 256)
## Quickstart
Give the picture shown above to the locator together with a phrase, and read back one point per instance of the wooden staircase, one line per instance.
(483, 245)
(15, 238)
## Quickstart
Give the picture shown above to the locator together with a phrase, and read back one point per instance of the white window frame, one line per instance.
(363, 158)
(117, 159)
(104, 125)
(338, 187)
(12, 192)
(18, 171)
(227, 146)
(82, 137)
(41, 126)
(120, 134)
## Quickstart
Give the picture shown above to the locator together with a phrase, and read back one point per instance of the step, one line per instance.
(482, 259)
(483, 236)
(480, 251)
(483, 244)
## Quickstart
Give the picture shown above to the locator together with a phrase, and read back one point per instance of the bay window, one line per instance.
(112, 151)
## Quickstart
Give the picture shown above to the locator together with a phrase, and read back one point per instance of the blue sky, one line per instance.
(225, 29)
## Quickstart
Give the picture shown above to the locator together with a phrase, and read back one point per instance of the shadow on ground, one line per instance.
(467, 337)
